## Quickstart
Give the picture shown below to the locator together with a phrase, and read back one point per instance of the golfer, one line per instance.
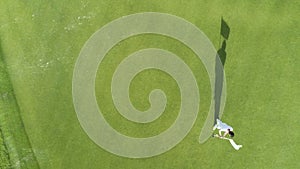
(223, 127)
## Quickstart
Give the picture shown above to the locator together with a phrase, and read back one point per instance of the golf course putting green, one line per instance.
(41, 41)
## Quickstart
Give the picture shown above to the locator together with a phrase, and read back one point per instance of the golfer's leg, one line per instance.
(220, 133)
(215, 127)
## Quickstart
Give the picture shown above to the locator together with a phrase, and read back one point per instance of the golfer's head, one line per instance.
(231, 133)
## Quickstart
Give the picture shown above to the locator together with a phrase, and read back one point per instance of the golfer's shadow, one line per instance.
(219, 66)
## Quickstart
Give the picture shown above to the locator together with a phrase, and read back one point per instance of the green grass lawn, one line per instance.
(40, 42)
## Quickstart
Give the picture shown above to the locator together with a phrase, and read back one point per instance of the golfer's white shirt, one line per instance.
(223, 126)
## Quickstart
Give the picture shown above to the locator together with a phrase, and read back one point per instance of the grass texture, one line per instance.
(41, 40)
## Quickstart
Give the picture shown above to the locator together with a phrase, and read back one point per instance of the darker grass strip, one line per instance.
(4, 155)
(16, 141)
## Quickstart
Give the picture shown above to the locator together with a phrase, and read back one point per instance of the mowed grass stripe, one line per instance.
(14, 133)
(4, 156)
(15, 140)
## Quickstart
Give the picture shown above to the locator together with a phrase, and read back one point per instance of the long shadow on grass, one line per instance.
(221, 53)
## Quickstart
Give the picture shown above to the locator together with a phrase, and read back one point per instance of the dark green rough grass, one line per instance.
(15, 148)
(4, 153)
(40, 47)
(4, 156)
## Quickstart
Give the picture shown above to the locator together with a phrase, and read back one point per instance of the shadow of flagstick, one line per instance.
(219, 69)
(219, 92)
